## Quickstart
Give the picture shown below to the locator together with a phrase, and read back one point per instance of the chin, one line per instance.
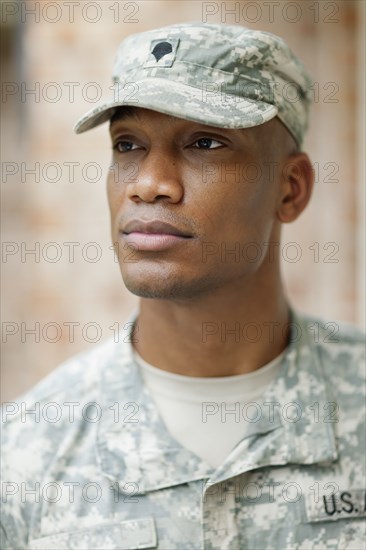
(165, 288)
(156, 289)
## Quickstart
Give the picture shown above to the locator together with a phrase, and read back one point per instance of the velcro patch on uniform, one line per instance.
(162, 52)
(340, 505)
(123, 535)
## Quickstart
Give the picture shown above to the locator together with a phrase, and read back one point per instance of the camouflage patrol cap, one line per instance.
(220, 75)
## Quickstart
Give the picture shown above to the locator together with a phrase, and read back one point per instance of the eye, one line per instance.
(207, 143)
(124, 146)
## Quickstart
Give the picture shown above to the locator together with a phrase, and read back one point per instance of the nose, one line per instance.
(158, 178)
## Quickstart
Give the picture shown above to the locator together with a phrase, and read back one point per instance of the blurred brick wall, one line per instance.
(51, 47)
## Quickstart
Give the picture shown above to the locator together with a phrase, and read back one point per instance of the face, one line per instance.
(215, 188)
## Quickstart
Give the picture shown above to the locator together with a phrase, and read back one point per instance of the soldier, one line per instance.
(221, 418)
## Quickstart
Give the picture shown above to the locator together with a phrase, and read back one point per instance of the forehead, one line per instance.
(124, 112)
(140, 115)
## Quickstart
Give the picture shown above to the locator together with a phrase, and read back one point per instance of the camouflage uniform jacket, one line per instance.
(93, 467)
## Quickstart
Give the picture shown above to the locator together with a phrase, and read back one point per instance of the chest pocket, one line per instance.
(353, 537)
(122, 535)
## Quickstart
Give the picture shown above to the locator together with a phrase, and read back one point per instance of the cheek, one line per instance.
(114, 204)
(256, 193)
(235, 199)
(114, 193)
(242, 210)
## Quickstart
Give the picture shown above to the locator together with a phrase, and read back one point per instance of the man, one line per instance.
(220, 418)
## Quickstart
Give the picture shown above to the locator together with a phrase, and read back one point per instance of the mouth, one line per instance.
(154, 235)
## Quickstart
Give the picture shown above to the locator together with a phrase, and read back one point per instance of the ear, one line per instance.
(297, 181)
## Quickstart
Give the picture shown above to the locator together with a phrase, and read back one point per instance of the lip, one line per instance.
(153, 235)
(153, 226)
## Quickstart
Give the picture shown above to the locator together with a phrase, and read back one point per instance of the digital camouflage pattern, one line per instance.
(219, 75)
(104, 473)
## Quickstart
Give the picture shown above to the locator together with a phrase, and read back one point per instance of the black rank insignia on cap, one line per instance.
(161, 49)
(162, 52)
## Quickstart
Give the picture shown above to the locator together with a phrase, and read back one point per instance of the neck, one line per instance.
(232, 330)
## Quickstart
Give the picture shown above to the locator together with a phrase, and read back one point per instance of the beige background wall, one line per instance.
(52, 45)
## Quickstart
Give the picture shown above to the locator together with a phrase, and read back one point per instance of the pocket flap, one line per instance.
(122, 535)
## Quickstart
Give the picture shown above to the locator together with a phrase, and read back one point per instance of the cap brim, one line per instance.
(182, 101)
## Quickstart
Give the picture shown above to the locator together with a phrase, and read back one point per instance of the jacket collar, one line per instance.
(296, 425)
(134, 446)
